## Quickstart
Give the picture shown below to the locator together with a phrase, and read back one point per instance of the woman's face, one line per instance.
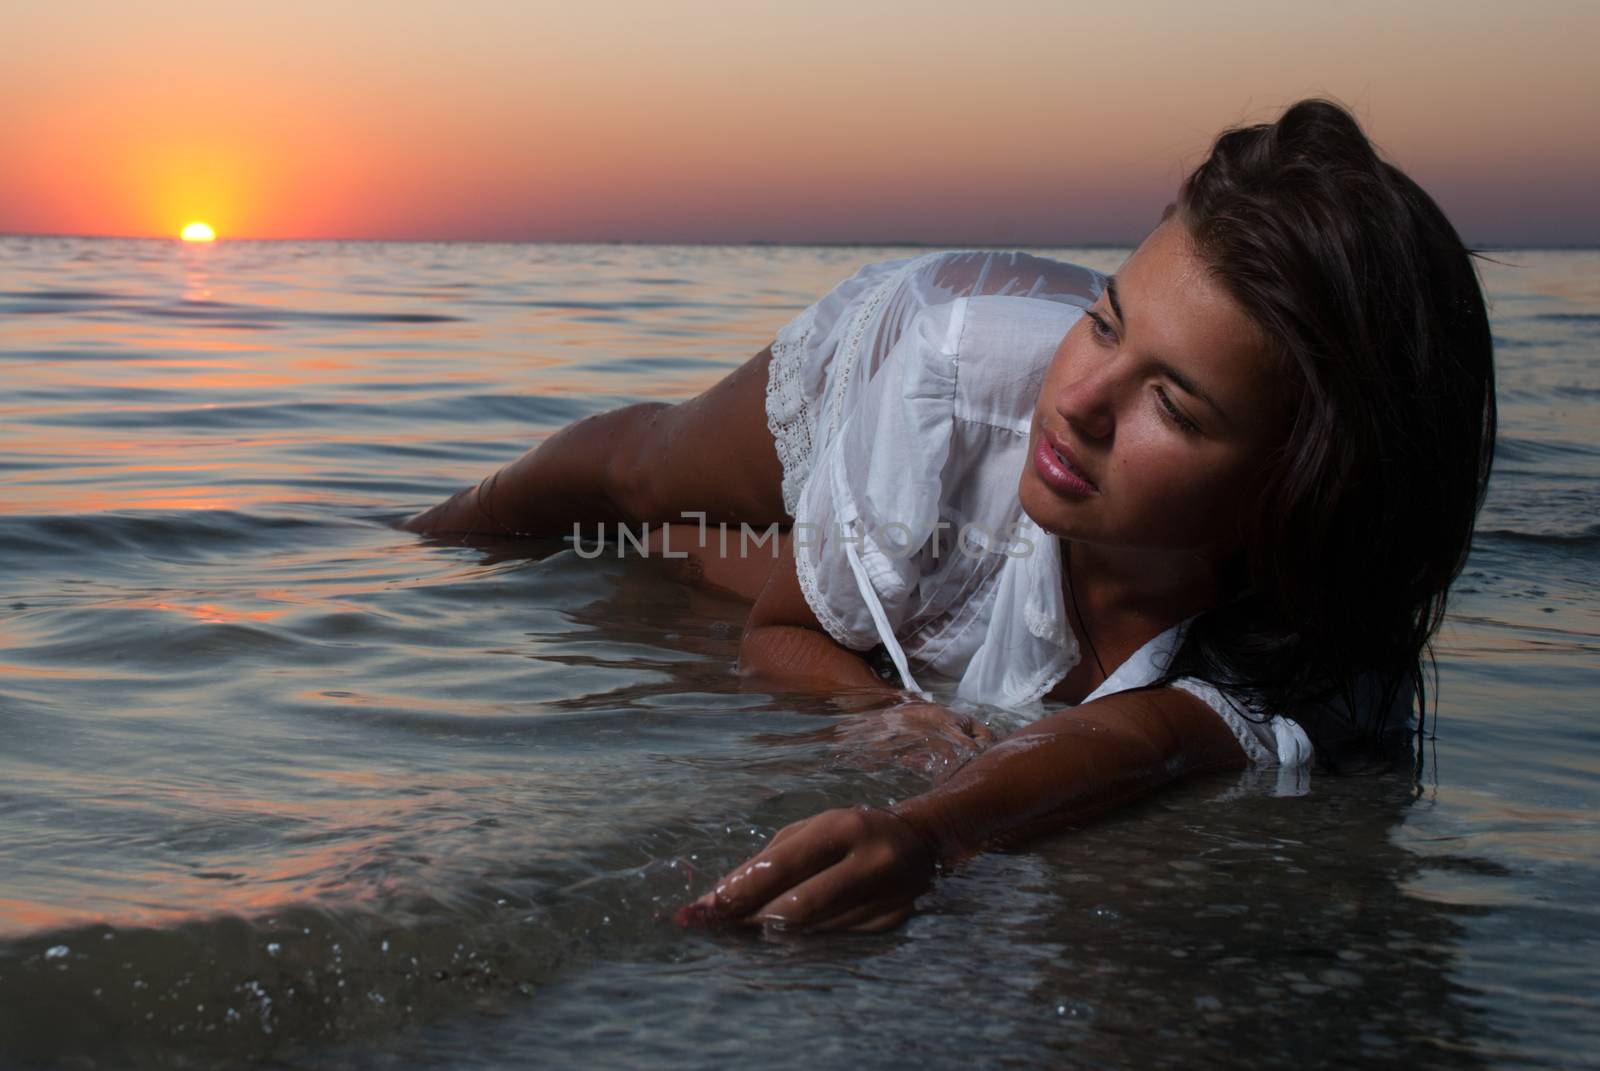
(1157, 411)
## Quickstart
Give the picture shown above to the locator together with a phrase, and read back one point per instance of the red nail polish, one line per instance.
(697, 915)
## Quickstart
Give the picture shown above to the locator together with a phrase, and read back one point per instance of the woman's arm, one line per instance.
(863, 868)
(784, 645)
(785, 648)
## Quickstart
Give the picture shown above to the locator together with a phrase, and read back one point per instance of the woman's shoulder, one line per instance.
(1000, 347)
(946, 275)
(874, 308)
(995, 313)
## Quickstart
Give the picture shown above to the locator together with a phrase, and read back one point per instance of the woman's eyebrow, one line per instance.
(1185, 384)
(1189, 386)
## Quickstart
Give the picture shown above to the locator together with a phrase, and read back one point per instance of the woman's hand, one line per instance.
(862, 869)
(858, 868)
(919, 736)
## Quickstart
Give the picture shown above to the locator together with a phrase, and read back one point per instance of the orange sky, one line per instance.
(820, 120)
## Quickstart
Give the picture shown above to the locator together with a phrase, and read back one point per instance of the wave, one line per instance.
(1568, 317)
(168, 534)
(201, 311)
(467, 409)
(1509, 448)
(91, 354)
(61, 295)
(1588, 536)
(234, 989)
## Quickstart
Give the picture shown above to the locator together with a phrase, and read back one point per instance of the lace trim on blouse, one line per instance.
(1249, 742)
(850, 353)
(806, 574)
(789, 416)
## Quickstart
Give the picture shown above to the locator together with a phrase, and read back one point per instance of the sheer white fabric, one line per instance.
(901, 404)
(821, 359)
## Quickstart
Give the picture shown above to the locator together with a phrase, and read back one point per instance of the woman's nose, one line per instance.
(1088, 403)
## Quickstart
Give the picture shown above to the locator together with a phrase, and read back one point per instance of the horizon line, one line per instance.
(907, 242)
(904, 243)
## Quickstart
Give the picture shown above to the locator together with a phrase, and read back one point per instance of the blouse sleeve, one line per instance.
(864, 519)
(809, 353)
(822, 358)
(1267, 740)
(860, 400)
(1381, 716)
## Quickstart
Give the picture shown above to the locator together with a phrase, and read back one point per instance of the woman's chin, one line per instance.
(1047, 509)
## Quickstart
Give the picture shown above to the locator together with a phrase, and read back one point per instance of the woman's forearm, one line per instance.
(795, 657)
(863, 867)
(1068, 766)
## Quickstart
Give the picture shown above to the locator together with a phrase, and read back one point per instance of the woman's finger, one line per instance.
(840, 888)
(878, 909)
(786, 832)
(824, 867)
(797, 852)
(868, 918)
(887, 866)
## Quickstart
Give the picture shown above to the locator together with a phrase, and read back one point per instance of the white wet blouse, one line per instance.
(901, 404)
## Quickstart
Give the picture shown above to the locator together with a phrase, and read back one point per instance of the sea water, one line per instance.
(281, 785)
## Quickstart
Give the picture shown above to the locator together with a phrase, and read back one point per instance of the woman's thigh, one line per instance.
(733, 558)
(647, 463)
(712, 454)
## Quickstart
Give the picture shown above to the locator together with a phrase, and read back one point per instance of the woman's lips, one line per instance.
(1055, 467)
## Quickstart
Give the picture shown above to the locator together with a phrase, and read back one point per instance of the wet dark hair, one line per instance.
(1374, 310)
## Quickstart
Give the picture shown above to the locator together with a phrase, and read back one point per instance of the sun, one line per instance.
(199, 232)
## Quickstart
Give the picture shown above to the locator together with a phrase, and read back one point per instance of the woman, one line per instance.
(1213, 503)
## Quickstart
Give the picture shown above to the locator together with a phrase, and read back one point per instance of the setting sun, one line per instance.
(199, 232)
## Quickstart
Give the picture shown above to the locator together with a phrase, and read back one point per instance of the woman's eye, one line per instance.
(1099, 328)
(1175, 414)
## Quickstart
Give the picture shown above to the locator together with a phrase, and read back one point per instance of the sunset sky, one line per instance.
(1009, 122)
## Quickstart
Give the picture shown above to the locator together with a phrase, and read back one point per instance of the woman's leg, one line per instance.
(645, 463)
(735, 560)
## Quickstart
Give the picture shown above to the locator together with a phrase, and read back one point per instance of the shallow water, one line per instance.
(283, 786)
